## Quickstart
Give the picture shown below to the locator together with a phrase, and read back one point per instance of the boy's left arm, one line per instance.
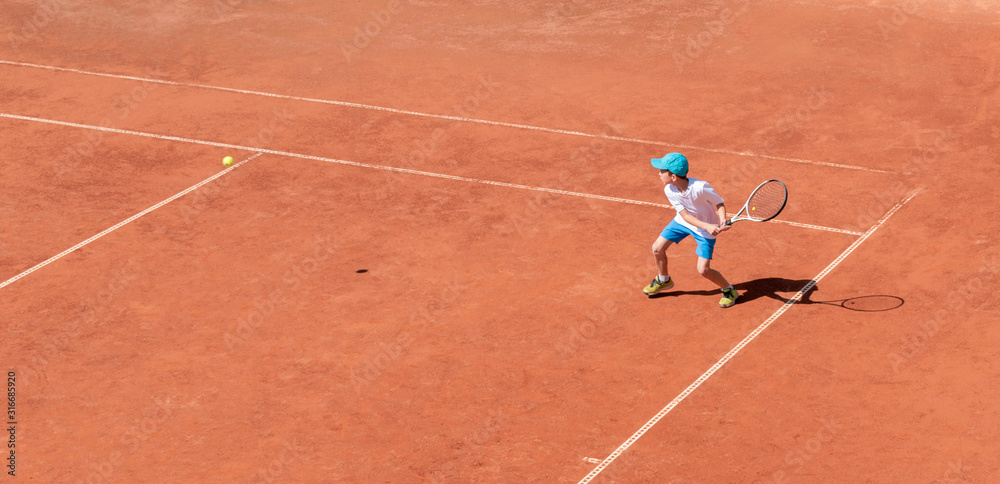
(721, 209)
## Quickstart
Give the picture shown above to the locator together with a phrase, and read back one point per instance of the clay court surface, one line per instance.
(426, 265)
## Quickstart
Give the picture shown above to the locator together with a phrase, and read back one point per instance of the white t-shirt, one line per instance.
(699, 200)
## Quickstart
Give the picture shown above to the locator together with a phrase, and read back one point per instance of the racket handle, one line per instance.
(729, 222)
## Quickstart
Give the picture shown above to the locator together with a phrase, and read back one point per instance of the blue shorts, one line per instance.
(676, 232)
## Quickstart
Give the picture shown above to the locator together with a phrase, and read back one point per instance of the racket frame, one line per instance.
(746, 204)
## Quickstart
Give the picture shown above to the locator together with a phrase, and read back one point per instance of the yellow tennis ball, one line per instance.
(227, 160)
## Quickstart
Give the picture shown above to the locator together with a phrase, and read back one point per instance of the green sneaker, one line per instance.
(728, 297)
(657, 286)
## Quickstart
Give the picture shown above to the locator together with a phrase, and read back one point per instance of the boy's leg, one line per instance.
(705, 249)
(705, 269)
(729, 293)
(660, 255)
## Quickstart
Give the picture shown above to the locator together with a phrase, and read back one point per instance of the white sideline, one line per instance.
(656, 418)
(123, 223)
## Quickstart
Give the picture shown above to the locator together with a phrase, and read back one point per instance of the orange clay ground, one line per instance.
(314, 316)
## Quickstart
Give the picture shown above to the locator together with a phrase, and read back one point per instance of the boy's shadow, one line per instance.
(757, 288)
(771, 286)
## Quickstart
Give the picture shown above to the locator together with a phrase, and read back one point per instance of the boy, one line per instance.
(700, 214)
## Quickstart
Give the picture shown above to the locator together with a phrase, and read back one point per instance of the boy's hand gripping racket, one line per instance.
(765, 203)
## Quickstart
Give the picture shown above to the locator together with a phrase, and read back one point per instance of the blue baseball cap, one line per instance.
(675, 163)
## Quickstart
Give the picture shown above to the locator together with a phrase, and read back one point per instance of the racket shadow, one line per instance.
(875, 303)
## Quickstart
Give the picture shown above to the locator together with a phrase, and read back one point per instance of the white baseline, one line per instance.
(443, 116)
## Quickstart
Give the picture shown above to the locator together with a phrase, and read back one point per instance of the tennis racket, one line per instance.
(765, 203)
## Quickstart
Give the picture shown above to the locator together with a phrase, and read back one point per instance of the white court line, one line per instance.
(443, 116)
(376, 167)
(817, 227)
(795, 224)
(123, 223)
(631, 440)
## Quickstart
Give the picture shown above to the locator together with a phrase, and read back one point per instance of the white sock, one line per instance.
(663, 278)
(730, 287)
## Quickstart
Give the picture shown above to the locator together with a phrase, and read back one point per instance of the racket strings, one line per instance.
(767, 201)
